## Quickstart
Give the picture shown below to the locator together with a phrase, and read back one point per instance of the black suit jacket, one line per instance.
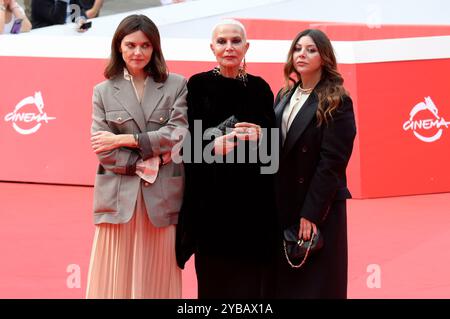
(311, 183)
(313, 160)
(45, 13)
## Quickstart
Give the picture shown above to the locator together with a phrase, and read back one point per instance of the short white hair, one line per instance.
(230, 22)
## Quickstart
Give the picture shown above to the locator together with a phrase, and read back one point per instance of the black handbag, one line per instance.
(298, 250)
(228, 123)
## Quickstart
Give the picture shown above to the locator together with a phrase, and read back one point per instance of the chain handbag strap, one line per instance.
(300, 242)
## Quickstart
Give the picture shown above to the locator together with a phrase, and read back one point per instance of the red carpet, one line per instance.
(409, 238)
(45, 229)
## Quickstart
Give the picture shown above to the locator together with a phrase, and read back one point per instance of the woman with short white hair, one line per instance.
(228, 211)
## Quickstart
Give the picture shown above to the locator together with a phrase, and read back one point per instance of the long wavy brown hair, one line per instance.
(330, 89)
(157, 67)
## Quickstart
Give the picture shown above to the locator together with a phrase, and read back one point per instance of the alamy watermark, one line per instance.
(374, 16)
(374, 279)
(199, 148)
(74, 278)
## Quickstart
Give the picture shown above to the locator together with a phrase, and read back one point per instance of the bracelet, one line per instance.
(136, 139)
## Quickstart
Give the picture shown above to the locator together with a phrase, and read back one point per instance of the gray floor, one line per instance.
(189, 24)
(370, 12)
(356, 11)
(118, 6)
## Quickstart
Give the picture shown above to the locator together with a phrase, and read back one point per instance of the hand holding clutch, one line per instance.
(297, 249)
(227, 124)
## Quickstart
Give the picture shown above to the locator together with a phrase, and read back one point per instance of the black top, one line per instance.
(45, 13)
(228, 208)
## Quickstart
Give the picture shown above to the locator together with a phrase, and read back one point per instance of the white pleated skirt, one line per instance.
(135, 260)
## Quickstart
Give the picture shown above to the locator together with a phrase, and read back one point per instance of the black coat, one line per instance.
(228, 208)
(311, 183)
(45, 13)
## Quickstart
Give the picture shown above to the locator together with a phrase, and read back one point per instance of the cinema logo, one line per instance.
(28, 115)
(425, 122)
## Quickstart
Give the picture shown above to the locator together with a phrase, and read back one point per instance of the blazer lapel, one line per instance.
(300, 122)
(152, 96)
(127, 98)
(279, 108)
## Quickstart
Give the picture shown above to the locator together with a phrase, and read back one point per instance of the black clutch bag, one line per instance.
(297, 250)
(228, 123)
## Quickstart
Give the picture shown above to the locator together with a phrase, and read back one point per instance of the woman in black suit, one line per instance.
(315, 115)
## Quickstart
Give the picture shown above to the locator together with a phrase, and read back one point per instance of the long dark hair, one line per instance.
(157, 67)
(330, 89)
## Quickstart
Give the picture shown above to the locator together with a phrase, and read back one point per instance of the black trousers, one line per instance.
(223, 277)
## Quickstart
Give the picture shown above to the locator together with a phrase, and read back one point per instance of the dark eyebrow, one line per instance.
(134, 43)
(233, 38)
(309, 45)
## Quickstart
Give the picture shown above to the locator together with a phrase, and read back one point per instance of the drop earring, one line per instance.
(242, 75)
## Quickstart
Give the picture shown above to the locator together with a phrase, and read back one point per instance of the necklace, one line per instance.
(242, 75)
(305, 91)
(301, 91)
